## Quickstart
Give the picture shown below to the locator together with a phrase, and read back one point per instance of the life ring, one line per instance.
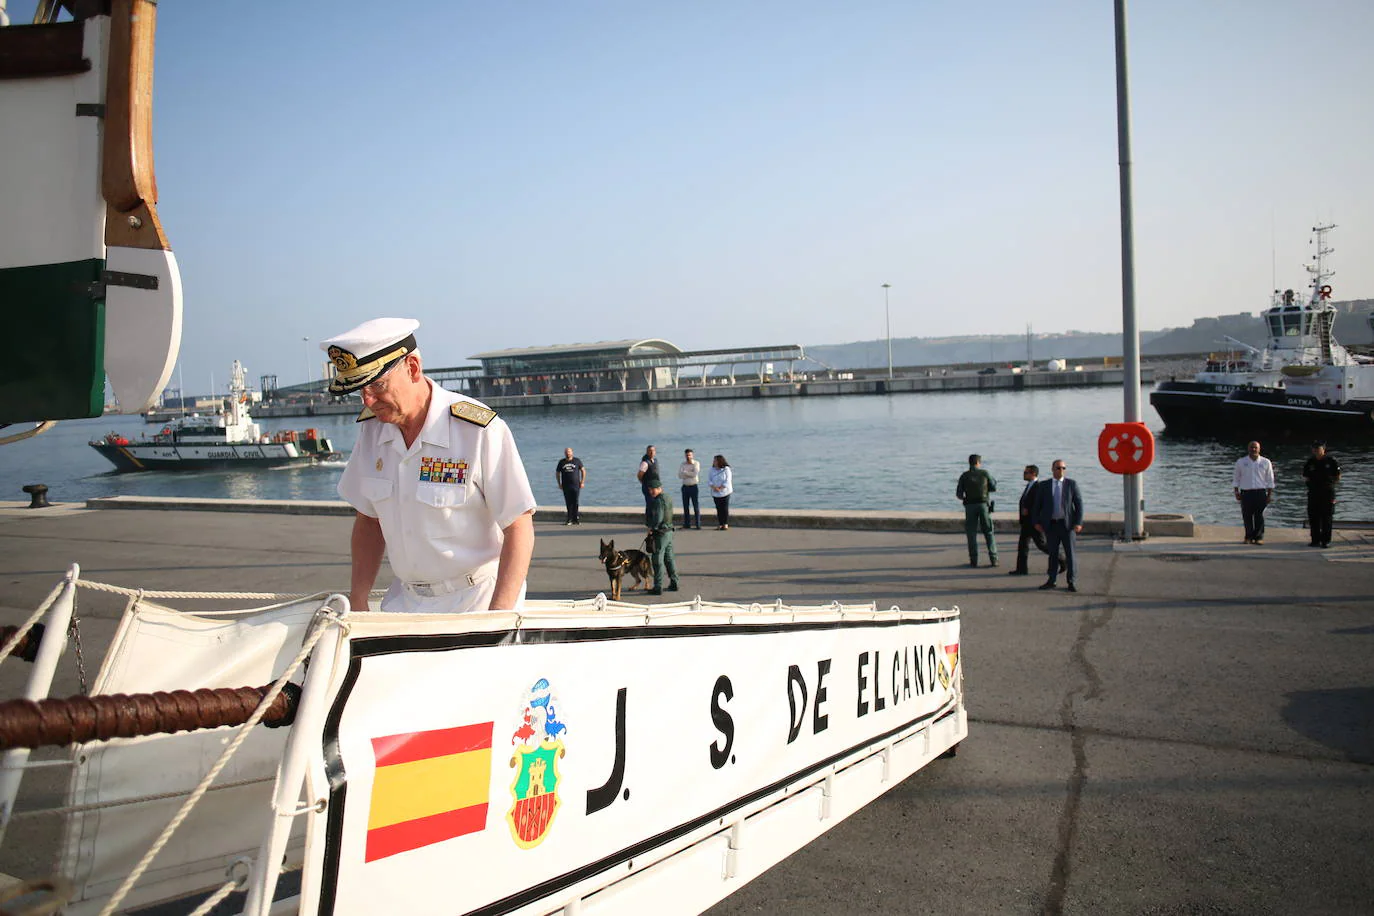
(1325, 291)
(1126, 448)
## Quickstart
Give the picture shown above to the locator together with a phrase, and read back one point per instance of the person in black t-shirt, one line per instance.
(571, 477)
(647, 473)
(1322, 473)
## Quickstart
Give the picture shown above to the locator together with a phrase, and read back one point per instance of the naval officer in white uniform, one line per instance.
(436, 481)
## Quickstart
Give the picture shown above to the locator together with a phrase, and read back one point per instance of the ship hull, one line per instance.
(140, 457)
(1276, 414)
(1192, 408)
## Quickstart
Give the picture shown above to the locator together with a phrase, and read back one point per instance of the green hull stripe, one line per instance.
(56, 366)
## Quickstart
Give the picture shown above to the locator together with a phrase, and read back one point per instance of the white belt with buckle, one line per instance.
(439, 589)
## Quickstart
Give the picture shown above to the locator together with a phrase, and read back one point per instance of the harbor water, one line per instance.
(880, 452)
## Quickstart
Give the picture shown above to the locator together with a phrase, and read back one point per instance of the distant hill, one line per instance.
(1203, 336)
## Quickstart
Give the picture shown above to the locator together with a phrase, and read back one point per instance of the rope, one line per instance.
(33, 618)
(41, 427)
(213, 900)
(257, 596)
(325, 618)
(136, 800)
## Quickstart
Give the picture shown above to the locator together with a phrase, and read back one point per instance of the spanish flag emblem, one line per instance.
(428, 787)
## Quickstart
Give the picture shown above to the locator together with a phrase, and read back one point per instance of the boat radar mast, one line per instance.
(1320, 290)
(1321, 294)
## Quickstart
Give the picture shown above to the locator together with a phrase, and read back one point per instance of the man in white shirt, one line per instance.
(689, 472)
(1253, 483)
(435, 479)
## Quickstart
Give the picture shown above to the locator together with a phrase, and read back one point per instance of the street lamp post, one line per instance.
(887, 311)
(1132, 485)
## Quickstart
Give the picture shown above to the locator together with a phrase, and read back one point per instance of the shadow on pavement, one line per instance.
(1342, 719)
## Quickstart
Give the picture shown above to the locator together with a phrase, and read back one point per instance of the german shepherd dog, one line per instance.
(620, 562)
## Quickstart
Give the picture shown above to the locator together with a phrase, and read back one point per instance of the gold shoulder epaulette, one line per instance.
(367, 414)
(473, 413)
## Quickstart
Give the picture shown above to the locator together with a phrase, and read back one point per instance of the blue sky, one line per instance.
(727, 174)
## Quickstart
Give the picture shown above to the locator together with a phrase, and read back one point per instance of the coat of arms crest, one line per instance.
(535, 761)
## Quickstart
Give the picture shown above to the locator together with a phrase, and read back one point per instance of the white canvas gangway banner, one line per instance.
(527, 761)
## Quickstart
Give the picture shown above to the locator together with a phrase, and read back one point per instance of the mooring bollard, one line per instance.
(39, 494)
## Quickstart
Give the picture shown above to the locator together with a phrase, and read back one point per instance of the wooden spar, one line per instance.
(27, 650)
(74, 720)
(127, 180)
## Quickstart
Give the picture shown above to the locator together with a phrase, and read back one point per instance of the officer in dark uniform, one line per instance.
(1322, 473)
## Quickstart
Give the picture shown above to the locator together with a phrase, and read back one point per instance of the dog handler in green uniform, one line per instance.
(658, 518)
(975, 488)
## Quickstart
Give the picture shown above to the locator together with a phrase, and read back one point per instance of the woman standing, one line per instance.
(721, 482)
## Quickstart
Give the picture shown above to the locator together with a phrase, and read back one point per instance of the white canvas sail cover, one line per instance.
(161, 649)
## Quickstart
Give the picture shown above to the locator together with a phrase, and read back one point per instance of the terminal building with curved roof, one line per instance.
(608, 365)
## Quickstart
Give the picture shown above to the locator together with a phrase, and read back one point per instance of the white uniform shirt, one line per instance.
(1253, 475)
(444, 501)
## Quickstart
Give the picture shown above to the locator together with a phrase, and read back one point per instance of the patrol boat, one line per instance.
(1300, 342)
(230, 439)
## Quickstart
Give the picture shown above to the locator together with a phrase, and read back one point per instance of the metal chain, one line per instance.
(74, 631)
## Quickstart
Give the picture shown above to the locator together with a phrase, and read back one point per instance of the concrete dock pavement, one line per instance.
(1192, 732)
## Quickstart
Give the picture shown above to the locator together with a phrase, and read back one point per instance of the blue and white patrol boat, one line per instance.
(227, 440)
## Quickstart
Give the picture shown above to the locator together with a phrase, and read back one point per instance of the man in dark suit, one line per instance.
(1059, 516)
(1027, 518)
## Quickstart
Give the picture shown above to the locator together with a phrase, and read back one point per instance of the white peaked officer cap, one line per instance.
(361, 355)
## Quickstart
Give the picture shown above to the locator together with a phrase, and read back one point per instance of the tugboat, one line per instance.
(1332, 399)
(1300, 342)
(231, 439)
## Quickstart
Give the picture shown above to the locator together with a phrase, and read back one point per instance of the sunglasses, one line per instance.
(379, 385)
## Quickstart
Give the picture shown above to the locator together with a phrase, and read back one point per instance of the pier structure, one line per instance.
(652, 370)
(821, 384)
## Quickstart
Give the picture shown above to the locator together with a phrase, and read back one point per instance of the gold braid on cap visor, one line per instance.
(351, 378)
